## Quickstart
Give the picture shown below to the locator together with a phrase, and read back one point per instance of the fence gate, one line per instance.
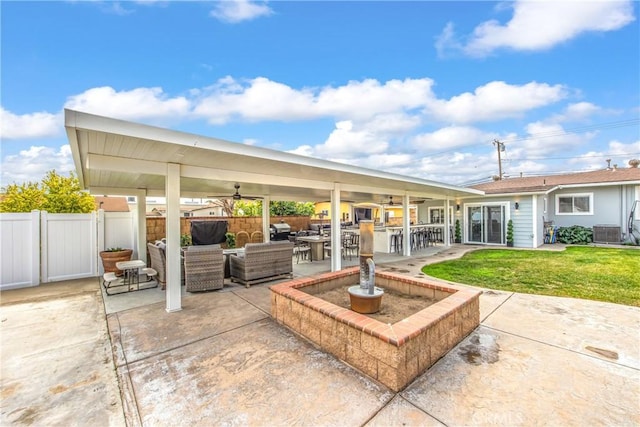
(69, 248)
(19, 250)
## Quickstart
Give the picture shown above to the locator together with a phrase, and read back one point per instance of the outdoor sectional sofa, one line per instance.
(262, 262)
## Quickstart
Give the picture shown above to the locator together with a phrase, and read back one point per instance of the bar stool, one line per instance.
(396, 242)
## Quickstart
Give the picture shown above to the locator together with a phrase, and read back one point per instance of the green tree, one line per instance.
(292, 208)
(21, 198)
(56, 194)
(63, 195)
(276, 208)
(242, 208)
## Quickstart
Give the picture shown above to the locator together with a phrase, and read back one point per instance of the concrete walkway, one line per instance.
(222, 360)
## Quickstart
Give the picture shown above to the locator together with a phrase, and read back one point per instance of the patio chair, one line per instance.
(203, 268)
(242, 238)
(301, 250)
(257, 237)
(158, 263)
(351, 244)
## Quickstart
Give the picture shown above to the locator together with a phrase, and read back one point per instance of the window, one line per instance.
(574, 204)
(436, 215)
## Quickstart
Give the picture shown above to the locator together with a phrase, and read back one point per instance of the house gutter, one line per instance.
(599, 184)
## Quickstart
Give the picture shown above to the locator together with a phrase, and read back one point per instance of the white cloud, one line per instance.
(33, 163)
(576, 112)
(138, 104)
(234, 11)
(263, 99)
(544, 139)
(457, 167)
(496, 100)
(349, 141)
(27, 126)
(541, 25)
(619, 153)
(451, 137)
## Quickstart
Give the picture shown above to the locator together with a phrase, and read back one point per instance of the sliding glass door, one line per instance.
(486, 224)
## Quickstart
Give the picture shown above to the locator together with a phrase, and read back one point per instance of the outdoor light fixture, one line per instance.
(517, 205)
(458, 207)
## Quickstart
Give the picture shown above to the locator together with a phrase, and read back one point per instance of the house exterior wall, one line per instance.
(523, 221)
(607, 207)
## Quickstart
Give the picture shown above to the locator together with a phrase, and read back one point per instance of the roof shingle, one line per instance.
(541, 183)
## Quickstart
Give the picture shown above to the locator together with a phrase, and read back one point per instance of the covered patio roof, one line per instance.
(115, 157)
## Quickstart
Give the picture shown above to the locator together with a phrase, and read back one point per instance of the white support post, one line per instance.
(100, 241)
(406, 229)
(336, 244)
(447, 224)
(266, 219)
(141, 217)
(172, 190)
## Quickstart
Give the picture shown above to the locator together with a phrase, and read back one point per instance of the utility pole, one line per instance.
(500, 146)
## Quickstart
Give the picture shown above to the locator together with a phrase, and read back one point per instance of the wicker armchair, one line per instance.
(158, 263)
(203, 268)
(262, 262)
(158, 260)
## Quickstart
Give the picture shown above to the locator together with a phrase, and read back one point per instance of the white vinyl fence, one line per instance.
(39, 247)
(19, 249)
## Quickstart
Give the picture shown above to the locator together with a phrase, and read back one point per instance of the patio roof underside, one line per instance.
(116, 157)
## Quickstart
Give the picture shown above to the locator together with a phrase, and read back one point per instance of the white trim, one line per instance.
(507, 216)
(574, 195)
(444, 209)
(534, 220)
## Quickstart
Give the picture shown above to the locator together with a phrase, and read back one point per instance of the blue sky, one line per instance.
(420, 88)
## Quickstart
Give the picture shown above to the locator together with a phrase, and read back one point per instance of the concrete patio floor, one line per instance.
(222, 360)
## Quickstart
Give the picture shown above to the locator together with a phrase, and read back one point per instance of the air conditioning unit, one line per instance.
(606, 234)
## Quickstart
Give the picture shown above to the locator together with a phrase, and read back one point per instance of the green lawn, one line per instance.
(602, 274)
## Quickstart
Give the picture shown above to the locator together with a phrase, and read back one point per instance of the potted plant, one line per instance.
(185, 240)
(231, 240)
(111, 256)
(458, 232)
(510, 233)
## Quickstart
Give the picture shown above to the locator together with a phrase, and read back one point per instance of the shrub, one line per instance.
(510, 231)
(575, 235)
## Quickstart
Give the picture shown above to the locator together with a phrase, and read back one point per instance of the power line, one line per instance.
(610, 125)
(585, 156)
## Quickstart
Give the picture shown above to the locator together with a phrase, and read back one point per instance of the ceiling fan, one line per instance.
(237, 195)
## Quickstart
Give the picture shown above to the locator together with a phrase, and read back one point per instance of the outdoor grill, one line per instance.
(280, 231)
